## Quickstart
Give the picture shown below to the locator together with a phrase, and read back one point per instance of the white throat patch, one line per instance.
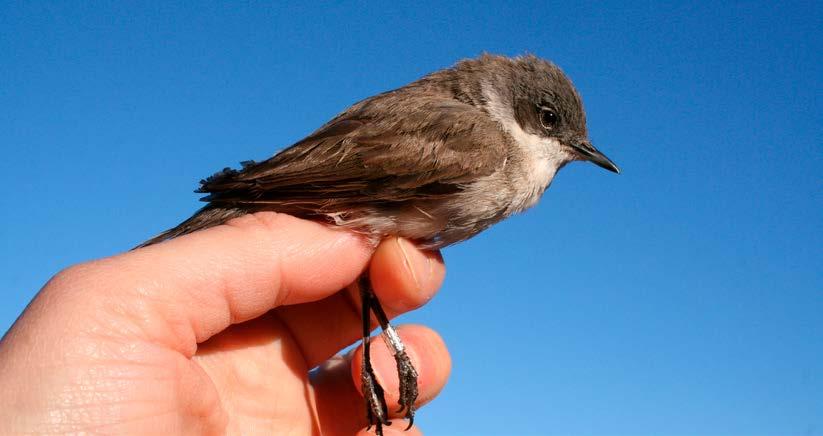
(543, 156)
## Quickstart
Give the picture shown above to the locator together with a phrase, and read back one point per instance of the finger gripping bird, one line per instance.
(436, 162)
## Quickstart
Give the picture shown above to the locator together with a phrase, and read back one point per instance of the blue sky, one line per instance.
(684, 296)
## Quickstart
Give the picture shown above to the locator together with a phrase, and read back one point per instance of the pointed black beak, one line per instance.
(587, 151)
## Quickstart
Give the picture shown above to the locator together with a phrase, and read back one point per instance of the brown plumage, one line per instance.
(433, 161)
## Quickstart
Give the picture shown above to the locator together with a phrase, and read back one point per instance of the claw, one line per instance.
(376, 410)
(408, 385)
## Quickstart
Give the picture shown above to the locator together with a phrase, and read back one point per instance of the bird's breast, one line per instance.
(537, 161)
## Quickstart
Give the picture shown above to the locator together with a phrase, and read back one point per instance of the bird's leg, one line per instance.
(405, 370)
(376, 410)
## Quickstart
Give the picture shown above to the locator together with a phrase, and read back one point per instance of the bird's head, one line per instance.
(537, 104)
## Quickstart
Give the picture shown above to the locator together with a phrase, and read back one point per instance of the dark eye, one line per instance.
(548, 118)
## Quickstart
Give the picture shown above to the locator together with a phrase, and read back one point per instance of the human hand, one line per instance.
(215, 332)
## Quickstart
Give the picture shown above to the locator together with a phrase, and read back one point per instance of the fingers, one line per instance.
(403, 278)
(185, 290)
(421, 274)
(340, 405)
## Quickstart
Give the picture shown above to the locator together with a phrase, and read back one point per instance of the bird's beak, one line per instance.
(587, 151)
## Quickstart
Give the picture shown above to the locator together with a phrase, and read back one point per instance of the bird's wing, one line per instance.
(427, 151)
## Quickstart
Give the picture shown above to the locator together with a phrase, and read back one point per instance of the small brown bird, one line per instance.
(436, 162)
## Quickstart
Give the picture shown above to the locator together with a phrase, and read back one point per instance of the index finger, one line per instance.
(183, 291)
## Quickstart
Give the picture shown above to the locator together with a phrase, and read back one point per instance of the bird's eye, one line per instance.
(548, 119)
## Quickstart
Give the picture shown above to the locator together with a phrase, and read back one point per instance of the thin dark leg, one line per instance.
(376, 410)
(405, 370)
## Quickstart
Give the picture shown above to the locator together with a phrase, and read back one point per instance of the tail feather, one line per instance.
(204, 218)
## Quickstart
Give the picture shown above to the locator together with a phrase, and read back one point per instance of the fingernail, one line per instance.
(417, 264)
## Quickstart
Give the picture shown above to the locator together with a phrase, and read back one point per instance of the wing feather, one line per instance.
(361, 157)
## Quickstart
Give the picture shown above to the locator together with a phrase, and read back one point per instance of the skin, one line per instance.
(215, 332)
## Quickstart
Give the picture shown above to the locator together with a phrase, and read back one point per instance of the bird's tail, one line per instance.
(208, 216)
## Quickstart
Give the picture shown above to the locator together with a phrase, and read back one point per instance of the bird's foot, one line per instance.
(376, 410)
(408, 385)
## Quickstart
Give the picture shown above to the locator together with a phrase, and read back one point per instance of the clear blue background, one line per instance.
(682, 297)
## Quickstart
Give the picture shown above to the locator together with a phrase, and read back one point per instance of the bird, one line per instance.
(435, 161)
